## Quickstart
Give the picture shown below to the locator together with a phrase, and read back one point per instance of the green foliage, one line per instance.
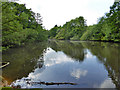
(108, 27)
(53, 31)
(72, 30)
(74, 38)
(88, 33)
(20, 25)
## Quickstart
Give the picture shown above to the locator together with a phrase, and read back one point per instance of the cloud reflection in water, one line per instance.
(58, 67)
(77, 73)
(52, 58)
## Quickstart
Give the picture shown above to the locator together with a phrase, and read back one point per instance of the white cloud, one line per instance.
(89, 54)
(60, 11)
(77, 73)
(52, 58)
(107, 84)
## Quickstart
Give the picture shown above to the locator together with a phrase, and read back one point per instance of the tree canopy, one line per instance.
(107, 28)
(72, 30)
(20, 25)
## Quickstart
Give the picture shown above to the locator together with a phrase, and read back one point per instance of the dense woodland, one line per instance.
(72, 30)
(107, 28)
(21, 25)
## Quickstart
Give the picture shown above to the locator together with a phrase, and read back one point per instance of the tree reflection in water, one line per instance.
(74, 50)
(22, 60)
(31, 58)
(108, 54)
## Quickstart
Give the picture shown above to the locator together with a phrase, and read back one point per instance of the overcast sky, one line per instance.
(60, 11)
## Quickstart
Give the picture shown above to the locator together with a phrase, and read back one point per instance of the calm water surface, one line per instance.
(89, 64)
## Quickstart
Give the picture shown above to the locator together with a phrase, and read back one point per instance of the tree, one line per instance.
(20, 25)
(71, 30)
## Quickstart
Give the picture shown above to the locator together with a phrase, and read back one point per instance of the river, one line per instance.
(88, 64)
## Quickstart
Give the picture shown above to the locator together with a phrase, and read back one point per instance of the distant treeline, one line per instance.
(107, 28)
(20, 25)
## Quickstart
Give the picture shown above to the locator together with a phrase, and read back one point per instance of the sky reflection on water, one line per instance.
(58, 67)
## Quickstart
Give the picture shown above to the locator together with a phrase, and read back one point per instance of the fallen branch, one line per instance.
(51, 83)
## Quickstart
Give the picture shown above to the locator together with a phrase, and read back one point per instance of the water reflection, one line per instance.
(22, 61)
(74, 50)
(108, 54)
(107, 84)
(89, 64)
(77, 73)
(53, 58)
